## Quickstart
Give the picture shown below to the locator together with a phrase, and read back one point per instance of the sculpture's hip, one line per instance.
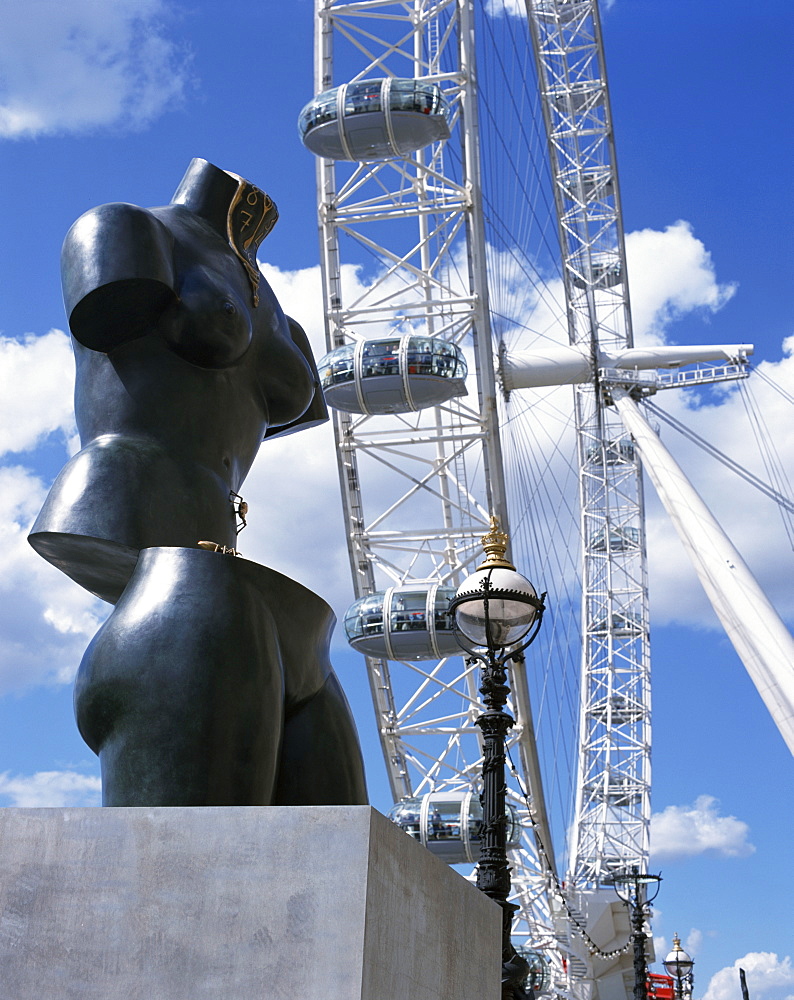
(189, 691)
(121, 494)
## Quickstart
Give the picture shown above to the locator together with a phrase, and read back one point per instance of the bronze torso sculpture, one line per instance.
(179, 376)
(210, 683)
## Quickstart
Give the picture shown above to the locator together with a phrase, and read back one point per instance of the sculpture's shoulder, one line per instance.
(106, 227)
(142, 280)
(117, 272)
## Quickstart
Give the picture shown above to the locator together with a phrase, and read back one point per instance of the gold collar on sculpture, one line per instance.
(251, 216)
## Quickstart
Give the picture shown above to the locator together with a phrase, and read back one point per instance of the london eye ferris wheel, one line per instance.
(481, 361)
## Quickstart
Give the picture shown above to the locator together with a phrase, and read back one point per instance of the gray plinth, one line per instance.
(320, 903)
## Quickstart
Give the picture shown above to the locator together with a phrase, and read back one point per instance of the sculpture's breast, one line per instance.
(174, 391)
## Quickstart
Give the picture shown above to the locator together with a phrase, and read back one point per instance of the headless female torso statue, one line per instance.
(210, 682)
(179, 376)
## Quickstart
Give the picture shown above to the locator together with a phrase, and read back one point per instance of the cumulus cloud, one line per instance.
(300, 294)
(35, 397)
(518, 8)
(768, 978)
(693, 942)
(753, 522)
(82, 65)
(670, 273)
(296, 524)
(688, 831)
(509, 8)
(46, 621)
(50, 788)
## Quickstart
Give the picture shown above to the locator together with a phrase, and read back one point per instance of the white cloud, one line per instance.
(295, 520)
(295, 516)
(36, 389)
(518, 8)
(300, 296)
(81, 65)
(693, 942)
(50, 789)
(752, 521)
(511, 8)
(670, 274)
(46, 620)
(768, 978)
(688, 831)
(534, 303)
(661, 947)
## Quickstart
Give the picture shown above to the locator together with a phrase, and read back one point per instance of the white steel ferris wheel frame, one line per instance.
(419, 284)
(444, 464)
(612, 820)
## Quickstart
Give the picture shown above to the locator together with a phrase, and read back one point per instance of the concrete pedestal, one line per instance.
(320, 903)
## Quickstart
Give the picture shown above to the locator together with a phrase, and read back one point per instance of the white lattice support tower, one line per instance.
(418, 488)
(611, 827)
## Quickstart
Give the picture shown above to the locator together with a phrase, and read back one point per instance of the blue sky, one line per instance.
(109, 101)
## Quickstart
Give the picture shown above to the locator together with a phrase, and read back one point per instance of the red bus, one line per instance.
(660, 987)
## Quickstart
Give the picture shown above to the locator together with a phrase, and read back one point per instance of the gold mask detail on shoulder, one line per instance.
(252, 214)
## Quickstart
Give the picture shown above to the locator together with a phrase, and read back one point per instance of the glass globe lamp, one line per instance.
(679, 965)
(496, 606)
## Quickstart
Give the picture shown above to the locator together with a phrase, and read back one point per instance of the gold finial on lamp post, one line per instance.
(495, 545)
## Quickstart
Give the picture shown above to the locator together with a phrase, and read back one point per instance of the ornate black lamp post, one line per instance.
(631, 888)
(679, 965)
(497, 615)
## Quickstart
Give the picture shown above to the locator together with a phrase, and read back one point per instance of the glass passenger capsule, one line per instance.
(628, 623)
(620, 540)
(605, 270)
(563, 11)
(539, 977)
(392, 375)
(619, 793)
(579, 98)
(374, 119)
(450, 824)
(615, 451)
(403, 623)
(590, 183)
(617, 710)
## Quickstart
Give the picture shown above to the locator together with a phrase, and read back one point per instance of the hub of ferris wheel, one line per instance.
(395, 128)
